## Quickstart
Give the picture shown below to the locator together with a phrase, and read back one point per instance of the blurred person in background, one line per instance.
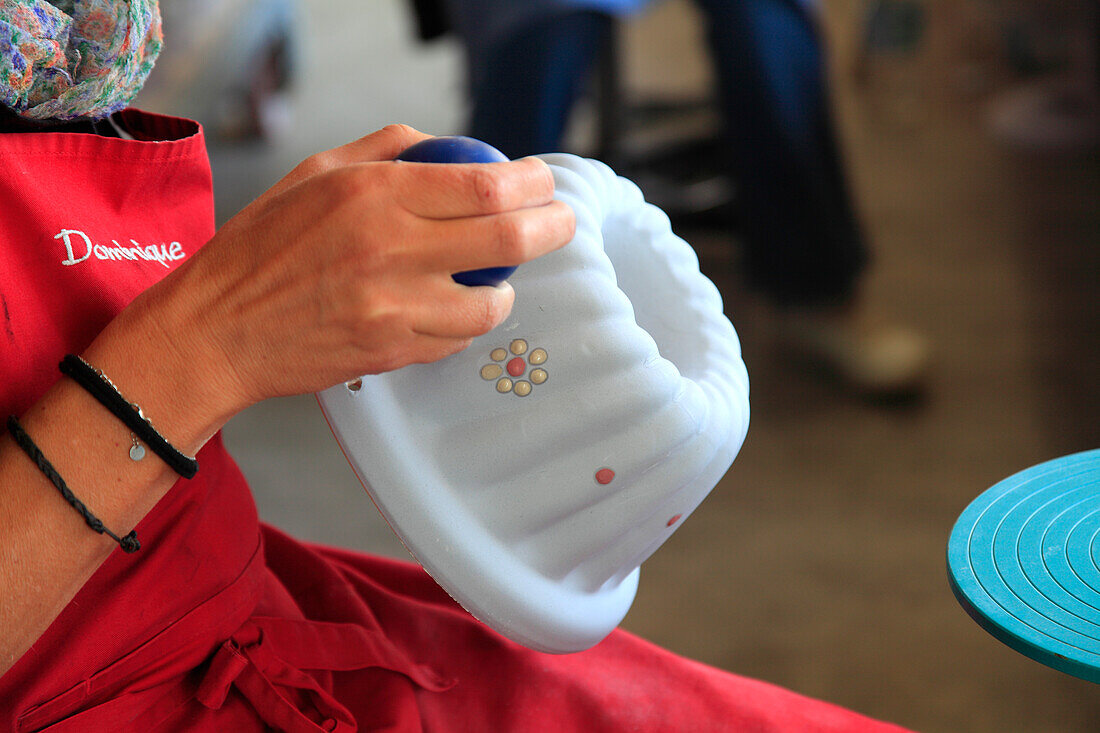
(803, 246)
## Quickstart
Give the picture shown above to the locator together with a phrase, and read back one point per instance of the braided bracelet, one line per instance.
(129, 543)
(99, 386)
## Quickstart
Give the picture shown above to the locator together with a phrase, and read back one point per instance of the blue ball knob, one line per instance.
(452, 149)
(461, 149)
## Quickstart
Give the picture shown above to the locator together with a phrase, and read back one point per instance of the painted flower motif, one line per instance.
(509, 368)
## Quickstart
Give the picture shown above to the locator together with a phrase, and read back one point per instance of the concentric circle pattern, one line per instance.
(1024, 561)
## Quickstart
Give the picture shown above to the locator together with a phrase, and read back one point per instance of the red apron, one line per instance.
(87, 223)
(221, 624)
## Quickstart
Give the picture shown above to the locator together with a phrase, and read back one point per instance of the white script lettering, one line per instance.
(66, 234)
(159, 253)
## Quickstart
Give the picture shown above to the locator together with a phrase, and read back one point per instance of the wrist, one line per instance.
(154, 356)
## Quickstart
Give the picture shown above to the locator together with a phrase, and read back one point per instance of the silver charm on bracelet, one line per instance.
(137, 450)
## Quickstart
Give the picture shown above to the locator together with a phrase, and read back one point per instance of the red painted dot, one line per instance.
(604, 476)
(516, 366)
(674, 520)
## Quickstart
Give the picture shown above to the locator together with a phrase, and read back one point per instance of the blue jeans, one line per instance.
(802, 242)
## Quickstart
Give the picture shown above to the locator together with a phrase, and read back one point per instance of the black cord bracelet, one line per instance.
(100, 387)
(129, 543)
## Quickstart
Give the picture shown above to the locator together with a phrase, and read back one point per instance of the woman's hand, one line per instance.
(344, 268)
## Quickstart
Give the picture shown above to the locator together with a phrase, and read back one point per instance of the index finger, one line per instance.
(385, 144)
(456, 190)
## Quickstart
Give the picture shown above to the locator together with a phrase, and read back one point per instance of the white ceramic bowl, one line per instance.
(534, 472)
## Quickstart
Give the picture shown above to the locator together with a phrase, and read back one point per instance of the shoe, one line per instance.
(878, 359)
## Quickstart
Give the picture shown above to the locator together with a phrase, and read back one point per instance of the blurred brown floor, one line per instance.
(818, 562)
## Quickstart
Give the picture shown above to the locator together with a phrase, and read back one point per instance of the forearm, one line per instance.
(48, 552)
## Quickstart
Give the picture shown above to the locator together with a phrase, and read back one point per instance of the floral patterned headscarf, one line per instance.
(75, 59)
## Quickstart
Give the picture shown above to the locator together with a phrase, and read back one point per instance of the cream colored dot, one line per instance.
(355, 385)
(538, 376)
(489, 372)
(504, 385)
(538, 356)
(523, 388)
(498, 354)
(519, 346)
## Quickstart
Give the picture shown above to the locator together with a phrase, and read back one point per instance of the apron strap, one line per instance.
(341, 646)
(267, 654)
